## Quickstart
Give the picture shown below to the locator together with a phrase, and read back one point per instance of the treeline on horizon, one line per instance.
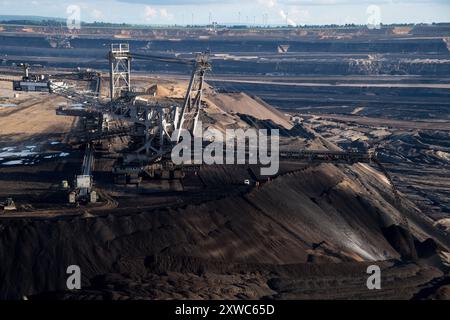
(59, 23)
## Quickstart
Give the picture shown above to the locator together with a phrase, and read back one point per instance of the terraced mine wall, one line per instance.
(250, 57)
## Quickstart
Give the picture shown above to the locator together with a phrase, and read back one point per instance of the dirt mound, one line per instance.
(315, 215)
(159, 91)
(244, 104)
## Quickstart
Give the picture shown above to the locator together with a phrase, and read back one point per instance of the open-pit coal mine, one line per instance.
(88, 129)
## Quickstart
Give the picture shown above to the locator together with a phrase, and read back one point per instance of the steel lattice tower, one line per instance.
(120, 70)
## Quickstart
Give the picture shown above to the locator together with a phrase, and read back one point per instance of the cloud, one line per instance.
(97, 14)
(152, 13)
(178, 2)
(298, 15)
(291, 14)
(268, 3)
(356, 2)
(283, 2)
(165, 14)
(285, 17)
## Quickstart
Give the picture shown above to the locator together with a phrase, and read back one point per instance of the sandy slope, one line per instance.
(243, 104)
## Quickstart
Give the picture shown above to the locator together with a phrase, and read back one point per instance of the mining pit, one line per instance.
(226, 232)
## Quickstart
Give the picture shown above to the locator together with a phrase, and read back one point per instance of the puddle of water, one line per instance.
(8, 105)
(77, 106)
(11, 153)
(27, 156)
(12, 163)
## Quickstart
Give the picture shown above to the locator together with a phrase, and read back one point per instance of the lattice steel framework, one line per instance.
(120, 70)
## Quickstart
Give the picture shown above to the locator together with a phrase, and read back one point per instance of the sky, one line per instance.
(257, 12)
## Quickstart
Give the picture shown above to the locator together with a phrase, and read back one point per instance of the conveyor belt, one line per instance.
(349, 157)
